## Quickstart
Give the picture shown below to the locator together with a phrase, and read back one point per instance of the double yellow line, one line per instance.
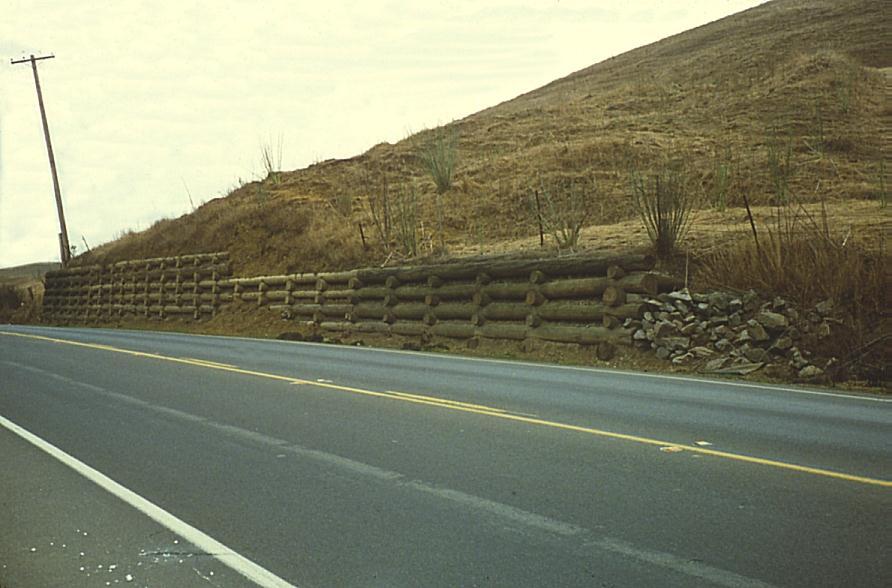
(488, 411)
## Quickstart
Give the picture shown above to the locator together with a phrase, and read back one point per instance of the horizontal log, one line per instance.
(453, 311)
(582, 265)
(589, 312)
(369, 311)
(667, 283)
(172, 272)
(363, 327)
(410, 311)
(502, 331)
(504, 311)
(327, 310)
(253, 283)
(337, 326)
(372, 327)
(454, 330)
(446, 292)
(581, 335)
(506, 290)
(639, 282)
(372, 293)
(339, 295)
(408, 329)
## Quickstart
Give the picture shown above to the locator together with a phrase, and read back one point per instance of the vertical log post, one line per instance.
(215, 293)
(145, 289)
(196, 295)
(161, 281)
(261, 293)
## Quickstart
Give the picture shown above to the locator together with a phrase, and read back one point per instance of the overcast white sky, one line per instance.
(149, 99)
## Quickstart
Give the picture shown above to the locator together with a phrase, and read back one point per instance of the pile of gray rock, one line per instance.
(727, 333)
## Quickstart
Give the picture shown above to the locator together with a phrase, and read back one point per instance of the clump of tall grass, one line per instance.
(395, 218)
(439, 156)
(665, 201)
(798, 255)
(781, 166)
(561, 208)
(271, 160)
(406, 221)
(722, 176)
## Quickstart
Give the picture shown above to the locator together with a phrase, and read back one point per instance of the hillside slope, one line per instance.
(804, 78)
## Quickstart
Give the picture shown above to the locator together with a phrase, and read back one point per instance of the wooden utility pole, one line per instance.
(63, 230)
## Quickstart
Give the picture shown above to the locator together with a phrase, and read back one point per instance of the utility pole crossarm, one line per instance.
(30, 59)
(63, 230)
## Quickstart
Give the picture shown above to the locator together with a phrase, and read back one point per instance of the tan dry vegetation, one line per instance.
(808, 75)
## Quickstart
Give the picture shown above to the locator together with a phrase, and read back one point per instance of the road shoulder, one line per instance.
(59, 529)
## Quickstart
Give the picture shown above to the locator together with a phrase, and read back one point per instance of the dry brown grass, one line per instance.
(810, 71)
(797, 254)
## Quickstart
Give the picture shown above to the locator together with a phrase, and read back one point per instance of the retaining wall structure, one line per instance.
(187, 285)
(576, 299)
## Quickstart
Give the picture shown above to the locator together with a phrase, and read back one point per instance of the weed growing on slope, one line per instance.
(781, 165)
(799, 256)
(665, 201)
(439, 156)
(271, 160)
(722, 177)
(560, 207)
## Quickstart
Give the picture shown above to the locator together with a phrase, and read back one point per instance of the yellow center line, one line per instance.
(446, 402)
(208, 362)
(477, 409)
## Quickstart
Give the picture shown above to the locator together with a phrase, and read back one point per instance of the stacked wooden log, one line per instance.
(579, 299)
(185, 285)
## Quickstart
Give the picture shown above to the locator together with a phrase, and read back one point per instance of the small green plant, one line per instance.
(381, 213)
(406, 221)
(722, 176)
(439, 157)
(818, 142)
(847, 87)
(271, 160)
(395, 219)
(561, 208)
(341, 203)
(781, 166)
(664, 201)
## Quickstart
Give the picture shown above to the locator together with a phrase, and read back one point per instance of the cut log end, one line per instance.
(534, 298)
(605, 351)
(614, 296)
(615, 272)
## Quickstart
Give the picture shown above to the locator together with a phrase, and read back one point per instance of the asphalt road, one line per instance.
(339, 466)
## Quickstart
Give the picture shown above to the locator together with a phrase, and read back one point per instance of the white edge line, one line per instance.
(226, 556)
(613, 372)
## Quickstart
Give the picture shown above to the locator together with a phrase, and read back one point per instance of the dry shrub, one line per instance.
(665, 201)
(9, 301)
(561, 207)
(438, 157)
(799, 257)
(20, 304)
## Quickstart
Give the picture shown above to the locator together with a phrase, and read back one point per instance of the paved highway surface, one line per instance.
(217, 461)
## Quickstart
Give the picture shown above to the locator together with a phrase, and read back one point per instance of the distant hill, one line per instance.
(28, 272)
(806, 81)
